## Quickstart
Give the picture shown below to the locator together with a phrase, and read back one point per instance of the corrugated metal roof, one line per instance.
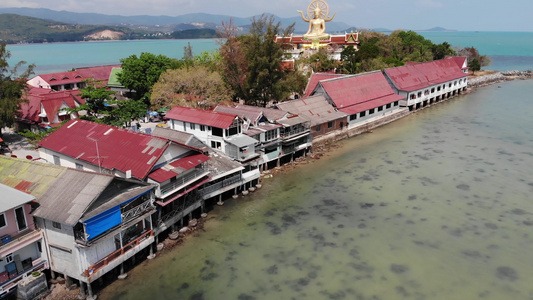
(357, 89)
(241, 140)
(100, 73)
(317, 77)
(270, 113)
(180, 137)
(69, 198)
(419, 76)
(35, 177)
(203, 117)
(316, 108)
(117, 148)
(12, 198)
(177, 167)
(51, 101)
(253, 116)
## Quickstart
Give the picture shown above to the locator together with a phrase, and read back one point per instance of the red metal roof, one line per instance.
(177, 167)
(98, 73)
(203, 117)
(51, 101)
(117, 148)
(356, 90)
(315, 78)
(419, 76)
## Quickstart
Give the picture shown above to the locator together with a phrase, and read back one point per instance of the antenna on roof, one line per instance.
(97, 153)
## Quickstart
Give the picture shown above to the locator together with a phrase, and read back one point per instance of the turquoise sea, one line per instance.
(508, 50)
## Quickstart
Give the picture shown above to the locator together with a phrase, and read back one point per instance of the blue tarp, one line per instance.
(103, 222)
(106, 220)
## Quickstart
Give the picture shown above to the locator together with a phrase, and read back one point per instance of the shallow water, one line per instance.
(434, 206)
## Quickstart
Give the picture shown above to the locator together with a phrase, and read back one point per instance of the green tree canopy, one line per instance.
(141, 73)
(12, 88)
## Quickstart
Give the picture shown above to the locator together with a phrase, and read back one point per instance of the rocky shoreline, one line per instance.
(498, 77)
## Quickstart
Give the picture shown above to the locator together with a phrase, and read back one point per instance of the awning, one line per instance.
(165, 203)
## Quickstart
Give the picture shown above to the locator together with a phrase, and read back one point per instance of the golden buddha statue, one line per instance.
(317, 16)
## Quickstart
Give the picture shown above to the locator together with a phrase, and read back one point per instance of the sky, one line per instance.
(464, 15)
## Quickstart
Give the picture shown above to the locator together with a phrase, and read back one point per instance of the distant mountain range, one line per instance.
(158, 23)
(50, 25)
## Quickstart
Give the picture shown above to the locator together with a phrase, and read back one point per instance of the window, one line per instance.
(56, 225)
(202, 127)
(21, 218)
(215, 145)
(192, 126)
(330, 124)
(3, 221)
(57, 160)
(353, 117)
(363, 113)
(396, 103)
(270, 135)
(371, 111)
(413, 96)
(317, 128)
(433, 90)
(419, 94)
(438, 88)
(380, 108)
(389, 105)
(79, 166)
(9, 258)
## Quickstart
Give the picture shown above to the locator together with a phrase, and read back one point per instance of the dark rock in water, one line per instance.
(340, 226)
(528, 223)
(491, 226)
(506, 273)
(185, 285)
(303, 281)
(472, 253)
(246, 297)
(399, 269)
(312, 275)
(464, 187)
(367, 205)
(402, 291)
(412, 197)
(273, 270)
(274, 229)
(209, 277)
(361, 226)
(198, 296)
(519, 211)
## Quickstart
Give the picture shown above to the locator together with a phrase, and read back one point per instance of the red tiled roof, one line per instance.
(199, 116)
(315, 78)
(117, 148)
(423, 75)
(356, 90)
(177, 167)
(461, 61)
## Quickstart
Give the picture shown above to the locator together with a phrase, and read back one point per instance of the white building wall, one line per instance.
(64, 258)
(38, 82)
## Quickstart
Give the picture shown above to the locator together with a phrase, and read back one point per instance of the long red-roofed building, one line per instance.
(72, 80)
(362, 96)
(422, 84)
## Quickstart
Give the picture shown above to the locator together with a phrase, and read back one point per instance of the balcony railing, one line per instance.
(136, 212)
(111, 257)
(197, 173)
(219, 185)
(289, 134)
(7, 285)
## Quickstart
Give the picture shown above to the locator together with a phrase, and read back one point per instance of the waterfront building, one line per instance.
(294, 138)
(20, 242)
(72, 80)
(227, 176)
(317, 77)
(324, 118)
(177, 170)
(363, 97)
(423, 84)
(93, 223)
